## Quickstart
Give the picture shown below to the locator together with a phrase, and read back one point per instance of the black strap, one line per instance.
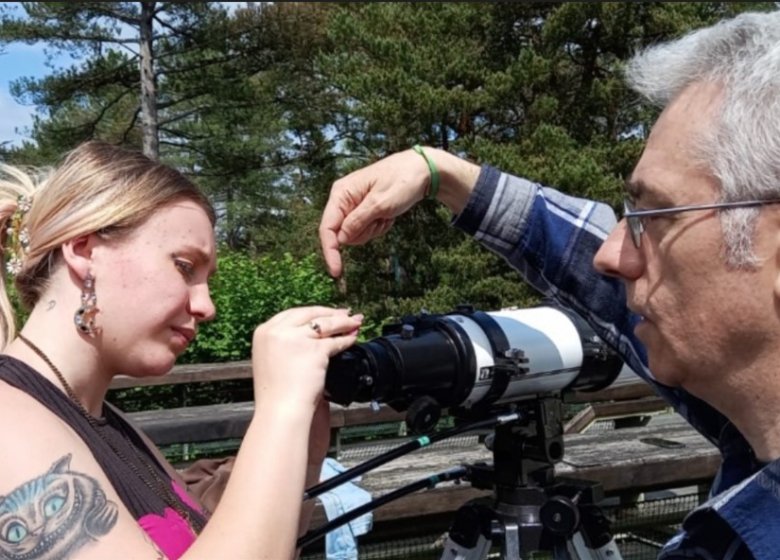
(135, 495)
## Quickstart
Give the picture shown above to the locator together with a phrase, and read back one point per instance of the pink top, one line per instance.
(170, 532)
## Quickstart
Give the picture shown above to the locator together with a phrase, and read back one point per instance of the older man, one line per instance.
(686, 285)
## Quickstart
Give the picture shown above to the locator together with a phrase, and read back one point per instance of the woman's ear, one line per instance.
(77, 254)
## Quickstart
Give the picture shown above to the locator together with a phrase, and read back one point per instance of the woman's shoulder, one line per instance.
(50, 479)
(27, 418)
(33, 436)
(24, 413)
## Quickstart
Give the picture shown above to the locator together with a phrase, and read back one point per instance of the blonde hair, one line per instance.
(98, 188)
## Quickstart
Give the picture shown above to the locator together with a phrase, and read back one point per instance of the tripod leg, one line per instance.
(455, 551)
(577, 549)
(511, 549)
(469, 536)
(478, 547)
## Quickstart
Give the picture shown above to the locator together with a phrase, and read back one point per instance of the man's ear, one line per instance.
(77, 254)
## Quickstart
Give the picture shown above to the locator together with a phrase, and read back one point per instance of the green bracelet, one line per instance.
(435, 179)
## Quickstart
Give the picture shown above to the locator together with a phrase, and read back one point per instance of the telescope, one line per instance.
(505, 369)
(472, 362)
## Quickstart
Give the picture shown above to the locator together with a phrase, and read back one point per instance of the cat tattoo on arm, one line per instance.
(54, 515)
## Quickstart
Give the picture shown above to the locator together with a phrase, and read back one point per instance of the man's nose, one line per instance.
(618, 256)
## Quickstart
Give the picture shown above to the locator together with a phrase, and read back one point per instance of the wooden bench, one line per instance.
(627, 460)
(624, 461)
(198, 424)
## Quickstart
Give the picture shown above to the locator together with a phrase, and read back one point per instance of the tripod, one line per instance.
(530, 509)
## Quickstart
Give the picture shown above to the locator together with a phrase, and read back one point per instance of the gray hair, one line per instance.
(743, 151)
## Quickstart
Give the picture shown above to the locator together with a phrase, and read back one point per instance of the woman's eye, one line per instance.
(185, 268)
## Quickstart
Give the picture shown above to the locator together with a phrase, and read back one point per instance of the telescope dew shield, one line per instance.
(542, 342)
(467, 358)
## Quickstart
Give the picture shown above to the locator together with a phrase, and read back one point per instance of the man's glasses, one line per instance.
(634, 218)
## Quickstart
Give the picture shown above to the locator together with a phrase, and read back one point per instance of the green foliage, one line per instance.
(463, 276)
(98, 95)
(20, 313)
(248, 291)
(266, 105)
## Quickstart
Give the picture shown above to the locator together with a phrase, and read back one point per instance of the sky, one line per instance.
(19, 60)
(16, 61)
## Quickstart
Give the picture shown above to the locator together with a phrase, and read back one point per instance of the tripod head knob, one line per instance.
(423, 414)
(560, 515)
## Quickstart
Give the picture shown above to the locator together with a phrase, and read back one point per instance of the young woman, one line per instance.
(112, 254)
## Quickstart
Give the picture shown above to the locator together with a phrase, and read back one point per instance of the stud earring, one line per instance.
(85, 314)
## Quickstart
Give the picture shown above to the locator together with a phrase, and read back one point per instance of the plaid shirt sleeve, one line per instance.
(551, 239)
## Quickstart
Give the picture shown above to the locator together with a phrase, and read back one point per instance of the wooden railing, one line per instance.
(662, 453)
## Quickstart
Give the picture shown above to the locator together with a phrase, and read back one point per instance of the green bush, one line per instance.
(246, 292)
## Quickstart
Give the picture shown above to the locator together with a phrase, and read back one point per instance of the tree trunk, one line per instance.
(149, 120)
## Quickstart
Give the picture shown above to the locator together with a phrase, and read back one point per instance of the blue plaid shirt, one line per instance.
(551, 238)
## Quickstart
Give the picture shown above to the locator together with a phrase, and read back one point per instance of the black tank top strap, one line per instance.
(139, 497)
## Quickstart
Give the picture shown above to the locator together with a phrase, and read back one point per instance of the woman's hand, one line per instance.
(262, 501)
(291, 351)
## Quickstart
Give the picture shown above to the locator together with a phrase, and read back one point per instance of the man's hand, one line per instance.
(364, 204)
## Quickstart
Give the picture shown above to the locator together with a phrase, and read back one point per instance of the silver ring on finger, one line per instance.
(316, 327)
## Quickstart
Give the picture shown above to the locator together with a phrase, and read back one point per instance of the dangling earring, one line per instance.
(85, 314)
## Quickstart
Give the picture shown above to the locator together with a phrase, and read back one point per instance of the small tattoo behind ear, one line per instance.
(50, 305)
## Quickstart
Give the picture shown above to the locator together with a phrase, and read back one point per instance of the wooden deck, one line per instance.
(665, 453)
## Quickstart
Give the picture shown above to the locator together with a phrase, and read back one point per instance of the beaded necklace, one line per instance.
(151, 479)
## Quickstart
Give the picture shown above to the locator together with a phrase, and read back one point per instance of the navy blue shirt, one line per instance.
(551, 239)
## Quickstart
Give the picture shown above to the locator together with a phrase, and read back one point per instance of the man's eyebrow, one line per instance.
(639, 190)
(635, 188)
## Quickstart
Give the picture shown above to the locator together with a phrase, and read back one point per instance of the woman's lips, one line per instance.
(184, 335)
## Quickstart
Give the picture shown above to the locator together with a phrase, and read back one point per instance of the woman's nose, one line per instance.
(201, 305)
